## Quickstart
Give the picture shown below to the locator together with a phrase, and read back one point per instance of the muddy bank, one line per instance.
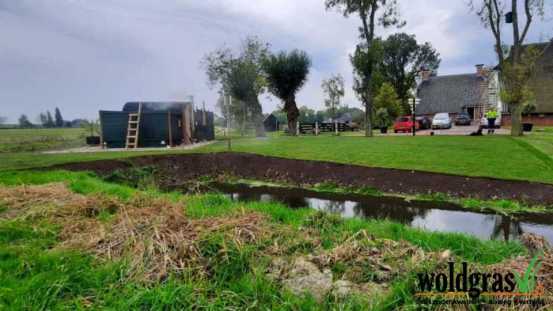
(175, 170)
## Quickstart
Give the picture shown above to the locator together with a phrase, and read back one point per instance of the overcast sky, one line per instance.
(87, 55)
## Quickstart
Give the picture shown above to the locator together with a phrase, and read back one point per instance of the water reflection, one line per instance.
(434, 216)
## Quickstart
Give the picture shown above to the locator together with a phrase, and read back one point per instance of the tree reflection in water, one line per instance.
(505, 228)
(395, 211)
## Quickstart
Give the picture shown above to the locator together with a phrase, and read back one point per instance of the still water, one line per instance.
(434, 216)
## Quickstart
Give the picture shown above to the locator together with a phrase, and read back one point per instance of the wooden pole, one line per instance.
(169, 128)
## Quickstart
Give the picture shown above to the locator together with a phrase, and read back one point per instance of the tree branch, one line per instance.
(529, 18)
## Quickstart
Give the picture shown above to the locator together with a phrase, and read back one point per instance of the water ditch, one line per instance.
(428, 215)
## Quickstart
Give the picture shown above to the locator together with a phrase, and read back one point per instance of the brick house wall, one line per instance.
(543, 119)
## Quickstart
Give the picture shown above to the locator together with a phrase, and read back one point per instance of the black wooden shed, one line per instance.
(161, 124)
(271, 123)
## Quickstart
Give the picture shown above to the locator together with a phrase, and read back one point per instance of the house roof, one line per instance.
(345, 118)
(175, 107)
(450, 93)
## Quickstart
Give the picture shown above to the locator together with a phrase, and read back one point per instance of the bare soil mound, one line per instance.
(175, 170)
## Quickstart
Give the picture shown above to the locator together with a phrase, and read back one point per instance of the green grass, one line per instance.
(527, 158)
(28, 140)
(495, 156)
(36, 276)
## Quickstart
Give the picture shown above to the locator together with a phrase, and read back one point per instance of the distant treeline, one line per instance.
(46, 120)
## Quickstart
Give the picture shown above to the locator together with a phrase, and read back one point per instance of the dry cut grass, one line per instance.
(153, 234)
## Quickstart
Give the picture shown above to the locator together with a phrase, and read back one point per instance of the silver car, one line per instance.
(441, 121)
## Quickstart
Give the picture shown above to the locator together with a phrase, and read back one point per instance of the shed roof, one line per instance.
(449, 93)
(176, 107)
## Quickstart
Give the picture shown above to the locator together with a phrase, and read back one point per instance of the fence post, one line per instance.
(336, 127)
(297, 128)
(316, 128)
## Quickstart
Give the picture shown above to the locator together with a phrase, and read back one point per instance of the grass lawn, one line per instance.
(495, 156)
(526, 158)
(52, 255)
(28, 140)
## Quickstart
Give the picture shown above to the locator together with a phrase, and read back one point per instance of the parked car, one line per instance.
(484, 123)
(463, 119)
(405, 124)
(424, 122)
(441, 121)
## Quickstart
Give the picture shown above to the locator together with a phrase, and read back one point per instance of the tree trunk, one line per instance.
(368, 117)
(258, 120)
(516, 120)
(292, 114)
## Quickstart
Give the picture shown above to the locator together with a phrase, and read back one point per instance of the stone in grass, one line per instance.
(305, 277)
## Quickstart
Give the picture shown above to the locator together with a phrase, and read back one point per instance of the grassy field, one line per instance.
(527, 158)
(73, 241)
(29, 140)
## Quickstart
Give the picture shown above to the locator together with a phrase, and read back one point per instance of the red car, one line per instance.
(405, 124)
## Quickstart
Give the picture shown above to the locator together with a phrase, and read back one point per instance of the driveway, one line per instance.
(455, 130)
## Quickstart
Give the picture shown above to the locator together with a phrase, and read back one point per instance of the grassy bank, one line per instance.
(496, 156)
(58, 245)
(528, 158)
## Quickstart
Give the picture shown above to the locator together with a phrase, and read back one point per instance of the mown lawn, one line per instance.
(39, 272)
(495, 156)
(527, 158)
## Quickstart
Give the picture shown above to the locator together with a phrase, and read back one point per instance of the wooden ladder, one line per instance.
(132, 129)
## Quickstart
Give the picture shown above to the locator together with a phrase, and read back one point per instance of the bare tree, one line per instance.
(491, 13)
(334, 90)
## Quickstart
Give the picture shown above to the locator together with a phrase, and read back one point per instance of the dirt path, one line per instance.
(177, 169)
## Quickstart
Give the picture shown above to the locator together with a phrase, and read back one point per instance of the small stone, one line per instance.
(342, 288)
(305, 277)
(445, 255)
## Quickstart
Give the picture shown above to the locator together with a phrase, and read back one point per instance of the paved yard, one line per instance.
(455, 130)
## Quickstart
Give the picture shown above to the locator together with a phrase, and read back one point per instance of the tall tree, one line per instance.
(286, 73)
(491, 14)
(58, 118)
(43, 119)
(24, 122)
(241, 77)
(388, 99)
(371, 12)
(402, 59)
(334, 90)
(49, 119)
(245, 84)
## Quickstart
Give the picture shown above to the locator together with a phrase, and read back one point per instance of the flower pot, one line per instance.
(93, 140)
(384, 130)
(527, 127)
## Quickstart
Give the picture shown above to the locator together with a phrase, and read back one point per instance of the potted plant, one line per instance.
(93, 127)
(529, 108)
(382, 120)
